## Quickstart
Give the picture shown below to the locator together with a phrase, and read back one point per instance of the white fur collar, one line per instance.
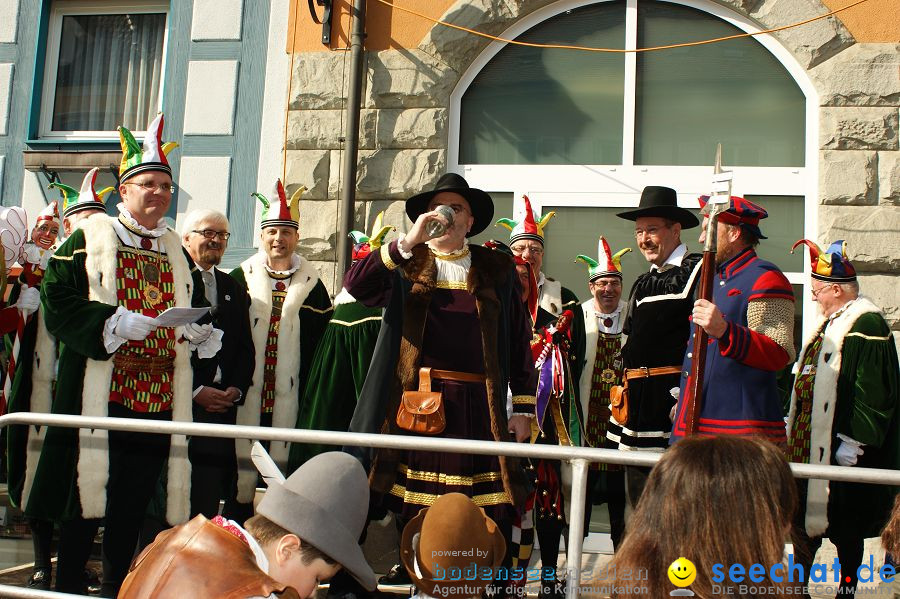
(828, 368)
(287, 368)
(101, 247)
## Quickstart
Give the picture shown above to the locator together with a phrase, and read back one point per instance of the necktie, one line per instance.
(209, 289)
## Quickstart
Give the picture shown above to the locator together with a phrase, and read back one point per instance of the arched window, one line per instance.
(583, 132)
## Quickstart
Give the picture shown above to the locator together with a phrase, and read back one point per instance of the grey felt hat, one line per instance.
(325, 503)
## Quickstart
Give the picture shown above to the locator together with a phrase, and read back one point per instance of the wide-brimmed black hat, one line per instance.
(662, 202)
(479, 201)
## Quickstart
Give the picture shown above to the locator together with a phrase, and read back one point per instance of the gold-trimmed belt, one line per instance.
(453, 375)
(148, 364)
(644, 372)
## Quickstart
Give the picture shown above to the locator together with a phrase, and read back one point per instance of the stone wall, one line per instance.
(404, 128)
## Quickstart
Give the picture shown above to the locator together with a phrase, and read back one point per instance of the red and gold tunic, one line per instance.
(800, 434)
(142, 374)
(271, 356)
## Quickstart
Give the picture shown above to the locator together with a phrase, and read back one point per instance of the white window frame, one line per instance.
(620, 185)
(54, 32)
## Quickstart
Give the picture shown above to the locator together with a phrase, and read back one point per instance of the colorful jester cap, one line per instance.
(50, 212)
(283, 213)
(75, 200)
(527, 226)
(363, 245)
(607, 263)
(150, 157)
(832, 265)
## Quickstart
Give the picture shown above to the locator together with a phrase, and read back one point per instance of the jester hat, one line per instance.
(283, 213)
(832, 265)
(607, 263)
(527, 226)
(75, 200)
(150, 157)
(741, 212)
(50, 212)
(363, 245)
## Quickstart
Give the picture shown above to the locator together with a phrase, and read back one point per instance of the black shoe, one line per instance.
(40, 579)
(91, 581)
(555, 589)
(397, 576)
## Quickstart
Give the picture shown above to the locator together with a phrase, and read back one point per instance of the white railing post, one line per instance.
(576, 527)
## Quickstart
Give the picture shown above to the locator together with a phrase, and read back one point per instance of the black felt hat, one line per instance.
(662, 202)
(479, 201)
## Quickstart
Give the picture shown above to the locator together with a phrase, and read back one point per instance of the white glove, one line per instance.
(134, 326)
(197, 333)
(29, 301)
(848, 454)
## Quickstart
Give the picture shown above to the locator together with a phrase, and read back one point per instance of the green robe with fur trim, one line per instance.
(305, 314)
(856, 393)
(78, 297)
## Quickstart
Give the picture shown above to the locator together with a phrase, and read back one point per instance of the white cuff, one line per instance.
(211, 346)
(197, 391)
(111, 341)
(850, 440)
(406, 255)
(525, 414)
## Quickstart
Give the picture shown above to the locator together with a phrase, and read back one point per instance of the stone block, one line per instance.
(328, 275)
(317, 81)
(458, 49)
(407, 79)
(871, 234)
(862, 75)
(811, 44)
(882, 290)
(325, 129)
(848, 177)
(318, 229)
(889, 178)
(398, 174)
(412, 128)
(394, 215)
(309, 168)
(846, 128)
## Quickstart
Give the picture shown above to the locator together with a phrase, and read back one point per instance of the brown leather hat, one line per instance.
(451, 548)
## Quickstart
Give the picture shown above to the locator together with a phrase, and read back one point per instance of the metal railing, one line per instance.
(578, 457)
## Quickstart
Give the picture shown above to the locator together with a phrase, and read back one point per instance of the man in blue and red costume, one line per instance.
(750, 323)
(455, 307)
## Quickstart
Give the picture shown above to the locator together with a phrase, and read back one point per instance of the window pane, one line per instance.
(733, 92)
(109, 71)
(503, 208)
(576, 230)
(537, 106)
(783, 227)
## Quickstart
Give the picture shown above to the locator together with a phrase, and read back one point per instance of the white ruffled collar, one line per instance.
(127, 219)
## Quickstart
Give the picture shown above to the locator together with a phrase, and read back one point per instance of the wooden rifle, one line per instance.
(718, 202)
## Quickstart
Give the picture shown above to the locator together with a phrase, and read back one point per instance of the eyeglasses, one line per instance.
(211, 234)
(815, 292)
(147, 186)
(518, 250)
(651, 231)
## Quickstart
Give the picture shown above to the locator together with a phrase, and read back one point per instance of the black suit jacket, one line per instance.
(236, 358)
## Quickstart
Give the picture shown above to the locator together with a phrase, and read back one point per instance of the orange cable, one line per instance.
(614, 50)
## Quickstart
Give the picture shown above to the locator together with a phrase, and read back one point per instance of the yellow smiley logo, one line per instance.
(682, 572)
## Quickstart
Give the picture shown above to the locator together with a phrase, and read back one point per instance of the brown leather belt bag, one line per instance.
(618, 394)
(422, 411)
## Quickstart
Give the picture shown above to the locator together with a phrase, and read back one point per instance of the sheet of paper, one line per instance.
(174, 317)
